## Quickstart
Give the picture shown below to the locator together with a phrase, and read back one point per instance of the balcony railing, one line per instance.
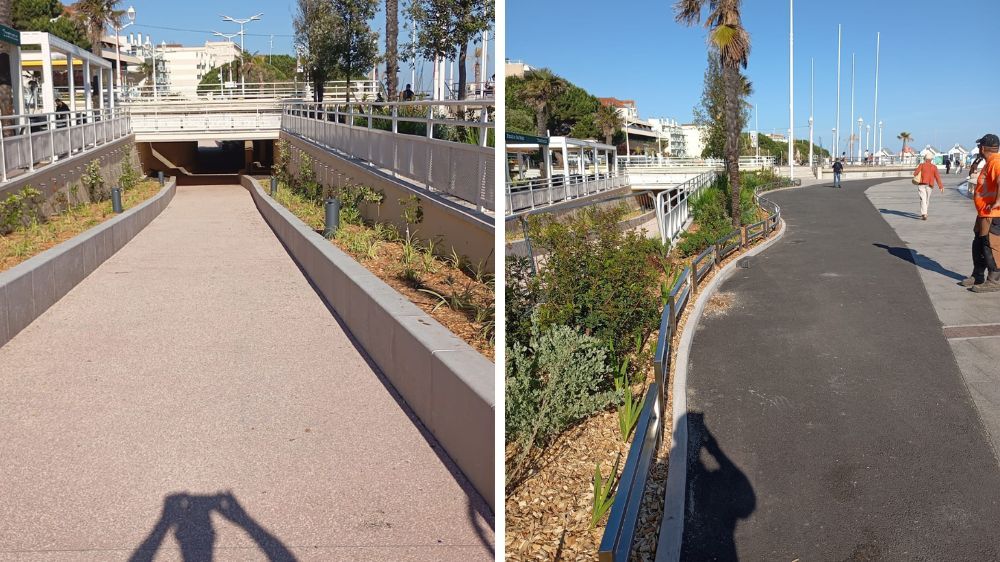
(30, 142)
(443, 145)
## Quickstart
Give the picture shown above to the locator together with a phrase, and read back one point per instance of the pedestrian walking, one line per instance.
(838, 168)
(985, 276)
(925, 176)
(947, 164)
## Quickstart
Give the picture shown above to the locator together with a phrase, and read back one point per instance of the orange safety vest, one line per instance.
(987, 187)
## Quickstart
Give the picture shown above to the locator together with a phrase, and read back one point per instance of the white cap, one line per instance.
(928, 156)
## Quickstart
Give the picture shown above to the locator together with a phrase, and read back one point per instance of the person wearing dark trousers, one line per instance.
(838, 168)
(985, 276)
(947, 164)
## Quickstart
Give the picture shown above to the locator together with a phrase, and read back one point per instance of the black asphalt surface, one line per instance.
(828, 417)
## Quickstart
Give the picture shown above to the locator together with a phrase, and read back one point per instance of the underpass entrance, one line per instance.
(198, 162)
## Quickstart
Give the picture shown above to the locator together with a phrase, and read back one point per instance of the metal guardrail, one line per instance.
(165, 118)
(376, 132)
(542, 192)
(33, 141)
(361, 91)
(623, 520)
(746, 162)
(672, 205)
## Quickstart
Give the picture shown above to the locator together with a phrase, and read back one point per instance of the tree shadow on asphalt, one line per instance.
(920, 260)
(189, 516)
(718, 496)
(906, 214)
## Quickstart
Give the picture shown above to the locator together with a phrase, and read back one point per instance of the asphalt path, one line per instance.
(828, 416)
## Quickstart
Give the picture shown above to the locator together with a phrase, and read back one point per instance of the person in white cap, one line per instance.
(924, 176)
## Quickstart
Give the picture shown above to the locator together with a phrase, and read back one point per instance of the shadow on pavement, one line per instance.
(906, 214)
(189, 516)
(920, 260)
(718, 496)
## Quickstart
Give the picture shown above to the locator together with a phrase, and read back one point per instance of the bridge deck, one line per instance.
(195, 361)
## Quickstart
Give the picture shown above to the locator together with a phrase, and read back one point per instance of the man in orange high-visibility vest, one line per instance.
(986, 244)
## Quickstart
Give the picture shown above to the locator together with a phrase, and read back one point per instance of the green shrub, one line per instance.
(521, 298)
(19, 209)
(351, 196)
(563, 378)
(94, 181)
(597, 278)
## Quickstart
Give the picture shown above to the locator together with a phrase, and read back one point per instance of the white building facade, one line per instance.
(186, 66)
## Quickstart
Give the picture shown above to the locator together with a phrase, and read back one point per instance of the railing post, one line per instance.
(52, 143)
(3, 152)
(31, 149)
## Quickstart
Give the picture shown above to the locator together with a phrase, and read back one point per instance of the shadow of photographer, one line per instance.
(718, 496)
(189, 516)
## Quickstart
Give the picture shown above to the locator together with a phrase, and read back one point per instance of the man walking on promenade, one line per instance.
(838, 167)
(986, 244)
(928, 173)
(947, 164)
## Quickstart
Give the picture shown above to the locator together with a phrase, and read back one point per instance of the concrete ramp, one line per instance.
(194, 396)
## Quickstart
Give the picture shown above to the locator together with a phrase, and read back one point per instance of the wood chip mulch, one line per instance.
(548, 514)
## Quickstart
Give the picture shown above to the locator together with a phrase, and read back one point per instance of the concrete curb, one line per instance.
(30, 288)
(447, 383)
(668, 548)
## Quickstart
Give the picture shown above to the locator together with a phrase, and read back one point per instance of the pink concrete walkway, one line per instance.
(195, 363)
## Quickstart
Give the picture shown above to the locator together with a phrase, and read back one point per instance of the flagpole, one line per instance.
(812, 83)
(791, 89)
(878, 40)
(836, 136)
(850, 138)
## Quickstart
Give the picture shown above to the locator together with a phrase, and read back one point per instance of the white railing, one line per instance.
(746, 162)
(421, 141)
(30, 142)
(525, 195)
(198, 119)
(672, 205)
(361, 90)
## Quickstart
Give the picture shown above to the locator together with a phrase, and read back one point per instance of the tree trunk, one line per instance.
(391, 55)
(8, 72)
(732, 79)
(607, 138)
(463, 53)
(541, 121)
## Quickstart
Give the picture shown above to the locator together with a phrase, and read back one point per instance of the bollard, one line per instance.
(332, 219)
(162, 180)
(116, 199)
(274, 186)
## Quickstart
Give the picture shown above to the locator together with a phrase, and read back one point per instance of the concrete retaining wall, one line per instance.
(447, 383)
(61, 183)
(469, 232)
(30, 288)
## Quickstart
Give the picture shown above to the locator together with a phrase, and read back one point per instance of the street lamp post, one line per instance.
(228, 37)
(879, 140)
(860, 128)
(868, 137)
(833, 153)
(130, 13)
(242, 23)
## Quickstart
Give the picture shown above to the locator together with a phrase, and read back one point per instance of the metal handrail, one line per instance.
(371, 131)
(32, 141)
(537, 193)
(672, 204)
(623, 521)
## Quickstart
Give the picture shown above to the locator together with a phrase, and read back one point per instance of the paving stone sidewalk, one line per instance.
(194, 396)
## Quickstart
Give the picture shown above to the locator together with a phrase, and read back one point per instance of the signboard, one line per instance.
(753, 139)
(518, 138)
(10, 35)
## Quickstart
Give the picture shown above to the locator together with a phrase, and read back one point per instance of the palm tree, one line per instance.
(730, 40)
(608, 120)
(541, 88)
(905, 137)
(391, 50)
(96, 16)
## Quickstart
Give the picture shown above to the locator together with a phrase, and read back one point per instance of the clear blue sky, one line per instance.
(930, 82)
(190, 22)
